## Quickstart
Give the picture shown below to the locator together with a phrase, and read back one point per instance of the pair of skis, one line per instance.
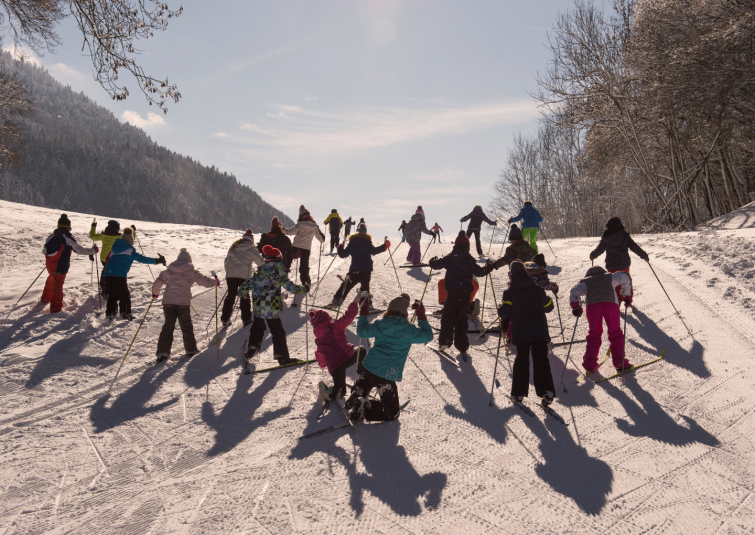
(445, 355)
(585, 375)
(348, 423)
(525, 408)
(246, 370)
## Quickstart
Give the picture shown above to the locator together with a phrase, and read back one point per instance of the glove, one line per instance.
(498, 263)
(340, 246)
(217, 281)
(419, 310)
(155, 296)
(461, 221)
(91, 258)
(554, 287)
(576, 309)
(96, 249)
(509, 221)
(133, 227)
(365, 308)
(94, 223)
(628, 301)
(495, 223)
(387, 244)
(160, 260)
(488, 262)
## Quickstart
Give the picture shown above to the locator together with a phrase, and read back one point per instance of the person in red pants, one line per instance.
(57, 250)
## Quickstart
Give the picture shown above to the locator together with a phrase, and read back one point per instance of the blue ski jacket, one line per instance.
(122, 255)
(393, 339)
(529, 216)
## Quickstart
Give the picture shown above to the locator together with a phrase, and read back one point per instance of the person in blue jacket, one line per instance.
(383, 366)
(122, 255)
(361, 250)
(476, 217)
(531, 220)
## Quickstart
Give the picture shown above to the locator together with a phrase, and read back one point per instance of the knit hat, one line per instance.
(316, 317)
(128, 236)
(420, 210)
(362, 228)
(114, 225)
(184, 255)
(614, 225)
(517, 270)
(248, 235)
(334, 211)
(462, 240)
(515, 233)
(64, 222)
(275, 222)
(303, 210)
(400, 304)
(528, 202)
(539, 259)
(271, 252)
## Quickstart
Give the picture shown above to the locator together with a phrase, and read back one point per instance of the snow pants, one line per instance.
(304, 266)
(103, 288)
(351, 280)
(53, 292)
(403, 237)
(476, 233)
(415, 254)
(245, 304)
(454, 323)
(334, 240)
(375, 411)
(436, 236)
(257, 333)
(339, 374)
(520, 383)
(182, 314)
(596, 313)
(530, 235)
(118, 294)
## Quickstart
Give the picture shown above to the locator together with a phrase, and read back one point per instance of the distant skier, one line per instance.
(347, 227)
(531, 220)
(122, 255)
(108, 236)
(361, 251)
(334, 223)
(526, 304)
(603, 293)
(239, 266)
(616, 243)
(57, 251)
(276, 238)
(414, 230)
(476, 217)
(384, 365)
(265, 287)
(178, 280)
(333, 348)
(402, 230)
(436, 230)
(303, 231)
(460, 267)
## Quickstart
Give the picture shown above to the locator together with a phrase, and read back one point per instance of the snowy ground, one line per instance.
(200, 448)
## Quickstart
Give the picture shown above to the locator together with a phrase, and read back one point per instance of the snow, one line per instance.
(202, 448)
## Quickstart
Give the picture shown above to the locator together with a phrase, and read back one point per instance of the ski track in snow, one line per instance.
(201, 448)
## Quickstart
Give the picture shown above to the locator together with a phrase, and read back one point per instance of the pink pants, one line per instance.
(414, 253)
(596, 312)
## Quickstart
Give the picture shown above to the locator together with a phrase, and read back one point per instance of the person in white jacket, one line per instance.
(303, 231)
(238, 268)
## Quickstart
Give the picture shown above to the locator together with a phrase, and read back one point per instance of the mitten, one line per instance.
(419, 310)
(91, 257)
(133, 227)
(576, 309)
(96, 249)
(365, 308)
(160, 260)
(554, 287)
(628, 301)
(387, 244)
(155, 296)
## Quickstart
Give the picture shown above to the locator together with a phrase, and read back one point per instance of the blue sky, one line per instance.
(369, 107)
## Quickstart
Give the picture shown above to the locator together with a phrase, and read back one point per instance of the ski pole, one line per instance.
(414, 317)
(677, 312)
(99, 293)
(625, 333)
(426, 249)
(500, 321)
(394, 250)
(319, 280)
(206, 327)
(508, 230)
(343, 293)
(558, 308)
(319, 258)
(390, 255)
(150, 268)
(495, 369)
(217, 334)
(549, 245)
(568, 358)
(484, 295)
(482, 333)
(131, 344)
(22, 296)
(491, 239)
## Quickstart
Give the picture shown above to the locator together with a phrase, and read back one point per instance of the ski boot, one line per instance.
(111, 317)
(464, 356)
(190, 354)
(438, 312)
(518, 399)
(162, 357)
(251, 352)
(128, 316)
(283, 361)
(226, 323)
(548, 398)
(325, 392)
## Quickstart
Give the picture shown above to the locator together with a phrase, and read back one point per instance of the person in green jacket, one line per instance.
(108, 236)
(384, 364)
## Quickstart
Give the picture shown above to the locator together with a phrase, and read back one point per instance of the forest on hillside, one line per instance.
(79, 157)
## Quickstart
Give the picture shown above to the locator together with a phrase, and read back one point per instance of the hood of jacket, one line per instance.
(179, 266)
(595, 270)
(119, 246)
(534, 269)
(359, 236)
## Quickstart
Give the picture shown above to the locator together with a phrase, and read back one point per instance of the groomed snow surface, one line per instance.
(201, 448)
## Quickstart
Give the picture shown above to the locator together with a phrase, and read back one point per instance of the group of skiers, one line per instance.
(256, 274)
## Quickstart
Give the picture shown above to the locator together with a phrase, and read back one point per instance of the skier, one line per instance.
(122, 255)
(616, 242)
(333, 348)
(414, 230)
(518, 250)
(537, 270)
(178, 280)
(460, 267)
(108, 236)
(303, 231)
(436, 230)
(361, 250)
(265, 286)
(526, 305)
(476, 217)
(347, 227)
(384, 364)
(334, 223)
(603, 292)
(531, 220)
(57, 251)
(402, 230)
(276, 238)
(238, 268)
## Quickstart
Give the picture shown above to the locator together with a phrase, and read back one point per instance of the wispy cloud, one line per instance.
(133, 118)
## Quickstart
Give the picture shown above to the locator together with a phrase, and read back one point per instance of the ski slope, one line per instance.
(200, 448)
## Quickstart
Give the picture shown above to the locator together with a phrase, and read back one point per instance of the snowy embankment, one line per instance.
(201, 448)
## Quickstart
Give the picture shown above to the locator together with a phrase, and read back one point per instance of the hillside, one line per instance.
(79, 157)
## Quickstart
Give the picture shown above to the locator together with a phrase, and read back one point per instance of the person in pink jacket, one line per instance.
(333, 349)
(178, 280)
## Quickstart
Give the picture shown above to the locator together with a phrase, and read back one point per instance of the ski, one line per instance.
(524, 408)
(444, 355)
(412, 265)
(557, 344)
(343, 411)
(323, 410)
(550, 411)
(632, 368)
(297, 363)
(587, 374)
(344, 426)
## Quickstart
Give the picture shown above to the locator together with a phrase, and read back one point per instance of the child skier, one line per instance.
(460, 266)
(384, 364)
(414, 230)
(265, 286)
(402, 230)
(275, 238)
(238, 268)
(526, 304)
(57, 251)
(518, 250)
(601, 291)
(333, 348)
(303, 231)
(334, 223)
(178, 280)
(346, 227)
(436, 230)
(537, 270)
(108, 236)
(122, 255)
(361, 250)
(476, 217)
(616, 242)
(531, 220)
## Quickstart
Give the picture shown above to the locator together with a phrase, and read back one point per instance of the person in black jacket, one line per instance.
(616, 242)
(460, 266)
(347, 227)
(476, 217)
(275, 238)
(361, 250)
(526, 304)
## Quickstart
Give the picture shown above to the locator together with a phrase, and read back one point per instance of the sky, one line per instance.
(369, 107)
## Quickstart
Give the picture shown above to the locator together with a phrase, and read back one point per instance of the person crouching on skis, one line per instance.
(361, 250)
(238, 268)
(178, 280)
(333, 348)
(526, 304)
(266, 286)
(384, 364)
(601, 291)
